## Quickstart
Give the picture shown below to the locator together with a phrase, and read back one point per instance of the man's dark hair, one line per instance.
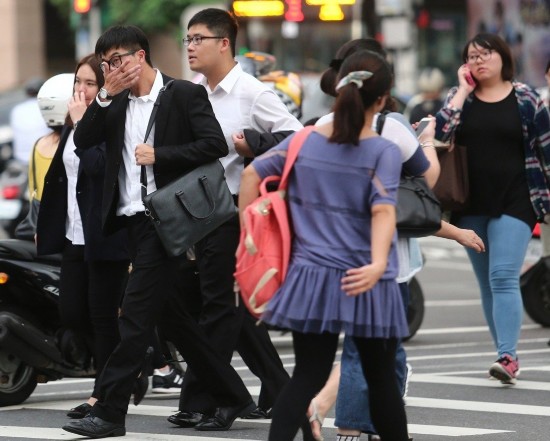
(220, 22)
(128, 37)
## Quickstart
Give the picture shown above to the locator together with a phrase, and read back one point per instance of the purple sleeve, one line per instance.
(272, 162)
(386, 176)
(417, 164)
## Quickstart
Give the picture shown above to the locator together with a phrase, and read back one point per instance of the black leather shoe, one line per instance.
(185, 418)
(95, 427)
(259, 414)
(79, 411)
(224, 416)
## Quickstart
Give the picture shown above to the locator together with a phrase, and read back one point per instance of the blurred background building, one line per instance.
(44, 37)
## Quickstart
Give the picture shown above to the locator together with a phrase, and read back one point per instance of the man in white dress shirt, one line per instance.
(253, 119)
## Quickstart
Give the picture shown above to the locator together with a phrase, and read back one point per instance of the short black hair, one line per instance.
(220, 22)
(129, 37)
(494, 43)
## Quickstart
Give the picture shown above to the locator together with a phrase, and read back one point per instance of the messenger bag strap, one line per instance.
(143, 176)
(293, 149)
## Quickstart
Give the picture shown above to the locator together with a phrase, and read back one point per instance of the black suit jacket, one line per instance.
(89, 188)
(187, 134)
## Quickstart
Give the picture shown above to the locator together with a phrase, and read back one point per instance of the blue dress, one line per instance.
(331, 191)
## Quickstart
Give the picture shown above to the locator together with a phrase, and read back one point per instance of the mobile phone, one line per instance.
(422, 125)
(470, 79)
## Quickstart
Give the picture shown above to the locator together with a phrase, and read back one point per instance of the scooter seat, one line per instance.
(24, 250)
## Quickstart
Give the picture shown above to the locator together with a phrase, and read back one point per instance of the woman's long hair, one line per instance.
(328, 77)
(93, 61)
(352, 101)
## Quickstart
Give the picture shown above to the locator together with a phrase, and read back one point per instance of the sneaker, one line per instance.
(167, 383)
(505, 369)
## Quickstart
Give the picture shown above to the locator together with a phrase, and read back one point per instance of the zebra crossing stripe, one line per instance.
(481, 382)
(43, 433)
(479, 406)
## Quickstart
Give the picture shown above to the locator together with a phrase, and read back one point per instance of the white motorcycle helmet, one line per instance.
(53, 98)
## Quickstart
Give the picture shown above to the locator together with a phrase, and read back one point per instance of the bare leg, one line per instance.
(323, 402)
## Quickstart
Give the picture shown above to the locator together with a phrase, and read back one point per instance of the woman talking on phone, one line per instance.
(506, 129)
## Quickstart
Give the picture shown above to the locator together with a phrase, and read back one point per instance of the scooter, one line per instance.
(535, 282)
(415, 311)
(14, 196)
(34, 347)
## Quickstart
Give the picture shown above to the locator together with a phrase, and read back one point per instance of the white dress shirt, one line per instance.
(73, 222)
(137, 117)
(240, 102)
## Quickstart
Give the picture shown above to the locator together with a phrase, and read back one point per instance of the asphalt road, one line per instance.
(450, 394)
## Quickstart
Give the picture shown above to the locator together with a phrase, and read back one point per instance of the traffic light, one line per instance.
(82, 6)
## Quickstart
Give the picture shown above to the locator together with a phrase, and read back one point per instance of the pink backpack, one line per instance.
(264, 246)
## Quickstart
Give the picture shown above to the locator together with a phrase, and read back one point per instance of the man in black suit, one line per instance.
(253, 119)
(185, 135)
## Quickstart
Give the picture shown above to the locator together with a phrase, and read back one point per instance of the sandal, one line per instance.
(316, 418)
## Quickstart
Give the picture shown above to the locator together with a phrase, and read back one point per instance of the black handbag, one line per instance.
(418, 210)
(26, 229)
(190, 207)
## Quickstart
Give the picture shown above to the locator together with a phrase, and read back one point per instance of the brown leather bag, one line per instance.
(452, 188)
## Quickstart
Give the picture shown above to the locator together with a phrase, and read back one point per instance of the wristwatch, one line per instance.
(104, 95)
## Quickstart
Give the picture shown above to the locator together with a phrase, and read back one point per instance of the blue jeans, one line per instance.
(497, 272)
(352, 402)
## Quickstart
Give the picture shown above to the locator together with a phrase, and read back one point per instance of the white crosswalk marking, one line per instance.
(164, 411)
(457, 378)
(478, 406)
(52, 434)
(479, 382)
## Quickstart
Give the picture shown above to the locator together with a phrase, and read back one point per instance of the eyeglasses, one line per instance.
(483, 56)
(116, 61)
(196, 40)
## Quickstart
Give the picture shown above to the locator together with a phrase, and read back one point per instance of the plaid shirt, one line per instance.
(535, 127)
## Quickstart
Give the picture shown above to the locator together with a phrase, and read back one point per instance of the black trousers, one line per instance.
(314, 359)
(149, 300)
(90, 295)
(228, 324)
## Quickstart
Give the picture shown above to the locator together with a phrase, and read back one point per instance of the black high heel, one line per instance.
(80, 411)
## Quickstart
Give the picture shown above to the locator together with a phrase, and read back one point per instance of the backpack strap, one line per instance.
(293, 149)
